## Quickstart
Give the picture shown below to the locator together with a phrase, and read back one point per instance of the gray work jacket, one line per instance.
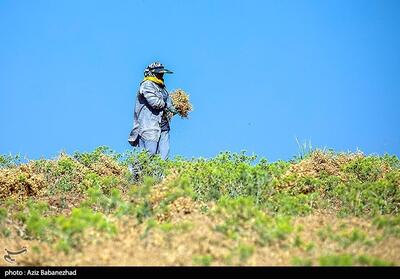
(152, 100)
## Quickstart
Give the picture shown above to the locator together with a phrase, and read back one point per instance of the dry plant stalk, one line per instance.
(181, 102)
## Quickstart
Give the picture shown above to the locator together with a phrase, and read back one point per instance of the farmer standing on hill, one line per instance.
(151, 124)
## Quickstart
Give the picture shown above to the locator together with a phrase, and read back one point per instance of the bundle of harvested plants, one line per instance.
(180, 100)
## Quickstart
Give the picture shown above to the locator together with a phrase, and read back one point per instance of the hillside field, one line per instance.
(105, 208)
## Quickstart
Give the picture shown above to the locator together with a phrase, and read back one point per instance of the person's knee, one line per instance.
(164, 151)
(150, 146)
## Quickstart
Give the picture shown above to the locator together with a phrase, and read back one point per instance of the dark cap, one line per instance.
(157, 68)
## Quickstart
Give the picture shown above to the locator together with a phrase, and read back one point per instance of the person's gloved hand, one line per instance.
(172, 109)
(169, 106)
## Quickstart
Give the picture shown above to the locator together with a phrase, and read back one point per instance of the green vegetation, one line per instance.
(69, 230)
(346, 237)
(389, 224)
(241, 218)
(9, 161)
(350, 260)
(203, 260)
(252, 203)
(64, 231)
(342, 260)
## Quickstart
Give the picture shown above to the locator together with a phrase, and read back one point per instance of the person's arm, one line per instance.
(154, 99)
(170, 106)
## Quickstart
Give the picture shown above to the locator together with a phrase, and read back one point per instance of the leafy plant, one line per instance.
(367, 169)
(242, 217)
(389, 224)
(227, 174)
(70, 229)
(369, 198)
(9, 161)
(60, 229)
(284, 203)
(350, 260)
(3, 229)
(345, 237)
(203, 260)
(37, 226)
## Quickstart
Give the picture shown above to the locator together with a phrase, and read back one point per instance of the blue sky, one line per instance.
(259, 74)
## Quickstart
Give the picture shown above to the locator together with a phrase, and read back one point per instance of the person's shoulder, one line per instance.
(147, 85)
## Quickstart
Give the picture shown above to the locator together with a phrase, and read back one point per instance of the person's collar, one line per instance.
(156, 80)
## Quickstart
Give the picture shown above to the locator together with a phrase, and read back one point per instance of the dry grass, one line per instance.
(33, 180)
(181, 102)
(323, 162)
(183, 230)
(137, 245)
(20, 182)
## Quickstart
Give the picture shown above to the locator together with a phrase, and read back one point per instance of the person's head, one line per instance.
(157, 70)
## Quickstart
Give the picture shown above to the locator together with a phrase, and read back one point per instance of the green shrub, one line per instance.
(102, 196)
(65, 231)
(37, 226)
(241, 217)
(90, 158)
(9, 161)
(3, 229)
(370, 198)
(367, 169)
(181, 227)
(284, 203)
(276, 169)
(301, 261)
(245, 252)
(345, 237)
(351, 260)
(203, 260)
(3, 214)
(227, 174)
(179, 187)
(143, 164)
(140, 196)
(70, 229)
(239, 255)
(389, 224)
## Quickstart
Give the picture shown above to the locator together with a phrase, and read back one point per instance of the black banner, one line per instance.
(86, 271)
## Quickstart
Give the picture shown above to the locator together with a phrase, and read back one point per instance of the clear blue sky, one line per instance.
(259, 74)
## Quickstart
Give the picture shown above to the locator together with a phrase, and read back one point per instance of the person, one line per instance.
(151, 122)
